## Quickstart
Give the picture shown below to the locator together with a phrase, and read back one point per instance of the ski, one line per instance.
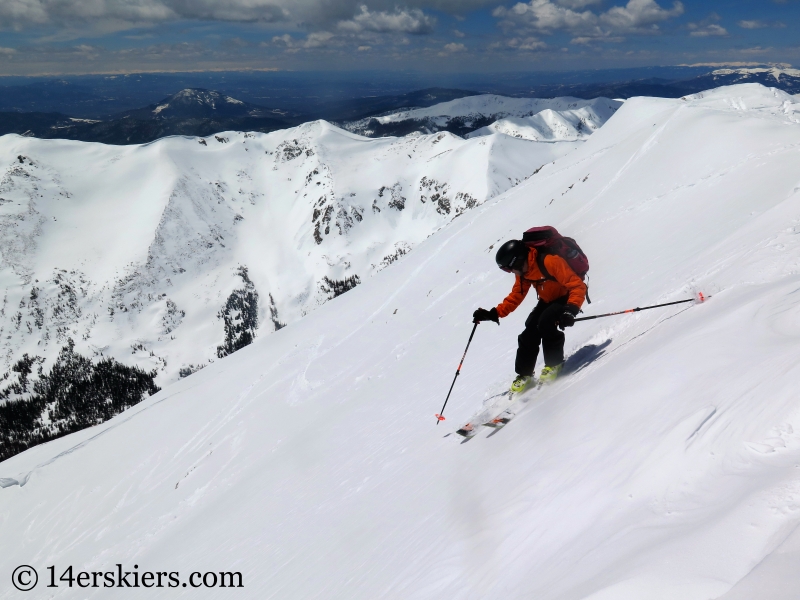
(502, 419)
(497, 421)
(491, 408)
(497, 414)
(467, 431)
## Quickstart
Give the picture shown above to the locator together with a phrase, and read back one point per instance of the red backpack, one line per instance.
(548, 241)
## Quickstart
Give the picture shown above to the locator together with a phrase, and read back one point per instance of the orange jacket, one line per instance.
(566, 282)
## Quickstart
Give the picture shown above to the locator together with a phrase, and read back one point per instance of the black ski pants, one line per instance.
(541, 328)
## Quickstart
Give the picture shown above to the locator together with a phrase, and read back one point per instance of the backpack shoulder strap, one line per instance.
(540, 263)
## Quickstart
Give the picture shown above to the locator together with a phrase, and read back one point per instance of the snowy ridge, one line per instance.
(542, 118)
(665, 466)
(554, 126)
(776, 72)
(782, 77)
(133, 252)
(492, 105)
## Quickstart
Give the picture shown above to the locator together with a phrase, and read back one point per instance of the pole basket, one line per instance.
(439, 417)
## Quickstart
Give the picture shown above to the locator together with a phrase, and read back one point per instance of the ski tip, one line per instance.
(439, 417)
(466, 431)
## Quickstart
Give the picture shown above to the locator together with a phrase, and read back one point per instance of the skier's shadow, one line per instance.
(584, 356)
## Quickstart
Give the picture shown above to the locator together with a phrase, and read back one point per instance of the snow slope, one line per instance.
(133, 251)
(552, 126)
(544, 119)
(666, 466)
(494, 105)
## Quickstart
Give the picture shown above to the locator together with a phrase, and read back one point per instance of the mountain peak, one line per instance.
(201, 96)
(199, 103)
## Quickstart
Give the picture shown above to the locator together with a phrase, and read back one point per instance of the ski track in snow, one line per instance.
(666, 466)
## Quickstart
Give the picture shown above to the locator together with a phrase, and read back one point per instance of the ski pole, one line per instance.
(700, 298)
(439, 415)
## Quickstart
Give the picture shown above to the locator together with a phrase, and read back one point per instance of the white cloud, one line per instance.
(712, 30)
(584, 40)
(284, 39)
(573, 4)
(707, 27)
(639, 14)
(756, 50)
(317, 39)
(459, 34)
(455, 47)
(452, 48)
(115, 15)
(547, 16)
(756, 24)
(527, 44)
(7, 51)
(364, 48)
(522, 44)
(87, 51)
(412, 21)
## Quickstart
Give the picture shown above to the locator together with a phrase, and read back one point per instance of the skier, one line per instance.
(561, 294)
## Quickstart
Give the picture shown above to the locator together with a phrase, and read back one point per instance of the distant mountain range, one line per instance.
(196, 112)
(787, 80)
(202, 112)
(189, 112)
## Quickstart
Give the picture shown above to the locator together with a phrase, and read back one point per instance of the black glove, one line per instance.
(485, 315)
(567, 318)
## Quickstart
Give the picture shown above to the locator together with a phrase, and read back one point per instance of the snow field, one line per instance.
(132, 251)
(668, 467)
(551, 125)
(500, 106)
(536, 119)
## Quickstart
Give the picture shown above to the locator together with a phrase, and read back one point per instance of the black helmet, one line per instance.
(511, 255)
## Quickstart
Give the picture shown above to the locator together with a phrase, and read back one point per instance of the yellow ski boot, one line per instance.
(520, 383)
(550, 374)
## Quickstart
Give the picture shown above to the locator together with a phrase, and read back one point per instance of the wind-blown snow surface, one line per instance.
(132, 251)
(667, 465)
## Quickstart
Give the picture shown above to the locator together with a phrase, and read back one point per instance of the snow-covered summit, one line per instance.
(664, 466)
(751, 99)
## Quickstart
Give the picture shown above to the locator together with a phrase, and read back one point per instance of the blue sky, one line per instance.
(105, 36)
